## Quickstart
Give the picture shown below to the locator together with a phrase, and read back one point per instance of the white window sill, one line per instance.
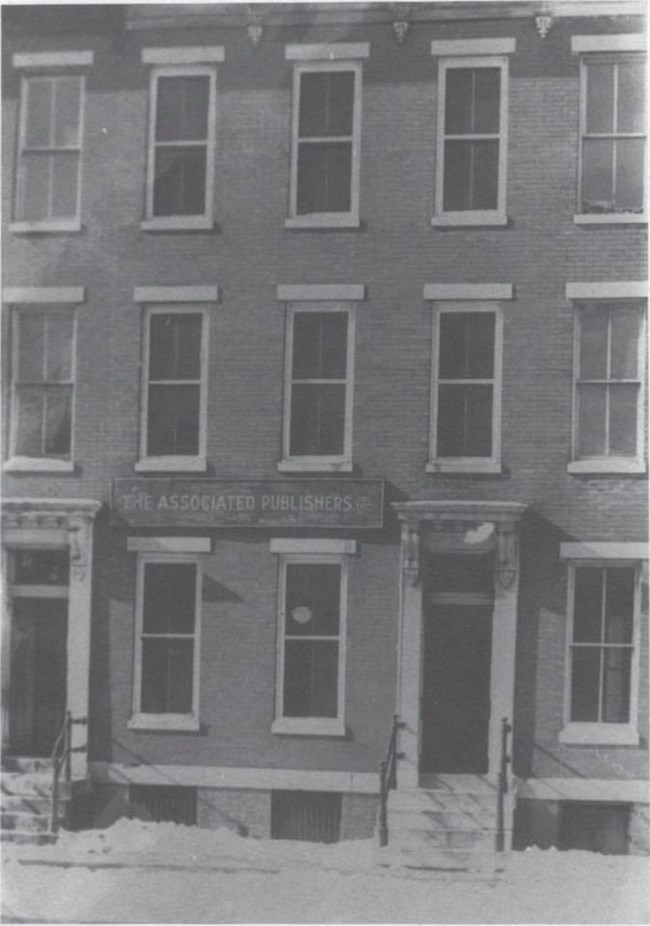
(323, 220)
(309, 726)
(611, 218)
(613, 465)
(178, 223)
(463, 466)
(171, 465)
(45, 226)
(186, 722)
(38, 465)
(459, 219)
(315, 465)
(599, 734)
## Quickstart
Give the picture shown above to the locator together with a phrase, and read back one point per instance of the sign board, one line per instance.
(200, 503)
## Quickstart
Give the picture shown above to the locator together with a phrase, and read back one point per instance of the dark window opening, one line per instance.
(594, 827)
(309, 816)
(165, 803)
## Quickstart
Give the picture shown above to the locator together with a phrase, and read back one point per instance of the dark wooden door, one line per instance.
(456, 688)
(37, 700)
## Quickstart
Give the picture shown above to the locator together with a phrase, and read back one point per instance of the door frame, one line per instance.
(455, 526)
(32, 523)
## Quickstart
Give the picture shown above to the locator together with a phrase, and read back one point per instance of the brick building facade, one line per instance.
(324, 401)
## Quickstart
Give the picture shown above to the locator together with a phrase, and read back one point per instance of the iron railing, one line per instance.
(506, 729)
(388, 780)
(62, 761)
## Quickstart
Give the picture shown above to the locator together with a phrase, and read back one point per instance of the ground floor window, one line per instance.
(310, 816)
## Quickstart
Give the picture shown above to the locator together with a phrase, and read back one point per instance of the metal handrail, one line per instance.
(61, 758)
(506, 729)
(388, 780)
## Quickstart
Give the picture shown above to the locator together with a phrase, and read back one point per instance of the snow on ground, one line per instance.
(163, 873)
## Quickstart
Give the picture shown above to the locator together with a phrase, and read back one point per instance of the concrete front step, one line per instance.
(478, 818)
(418, 800)
(24, 803)
(446, 860)
(24, 822)
(470, 839)
(26, 764)
(19, 837)
(26, 783)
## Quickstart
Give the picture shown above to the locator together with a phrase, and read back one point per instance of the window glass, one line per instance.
(616, 685)
(588, 612)
(585, 687)
(313, 599)
(600, 98)
(630, 153)
(169, 598)
(471, 175)
(619, 605)
(326, 104)
(175, 346)
(182, 108)
(631, 96)
(67, 107)
(41, 567)
(38, 114)
(167, 669)
(623, 417)
(174, 420)
(179, 181)
(320, 345)
(464, 420)
(472, 101)
(310, 684)
(324, 175)
(466, 345)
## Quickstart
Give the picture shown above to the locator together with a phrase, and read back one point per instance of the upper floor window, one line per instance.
(49, 153)
(612, 135)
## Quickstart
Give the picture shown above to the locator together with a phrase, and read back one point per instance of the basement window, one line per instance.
(308, 816)
(594, 827)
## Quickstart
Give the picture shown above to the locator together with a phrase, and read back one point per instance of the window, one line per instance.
(325, 144)
(472, 141)
(164, 803)
(594, 827)
(49, 156)
(181, 147)
(613, 135)
(466, 390)
(167, 643)
(608, 390)
(603, 607)
(311, 648)
(174, 393)
(318, 394)
(309, 816)
(42, 387)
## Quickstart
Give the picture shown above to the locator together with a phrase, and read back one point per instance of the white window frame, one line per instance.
(172, 462)
(609, 464)
(314, 463)
(606, 218)
(50, 224)
(326, 219)
(146, 721)
(491, 464)
(311, 726)
(181, 222)
(41, 464)
(496, 216)
(595, 733)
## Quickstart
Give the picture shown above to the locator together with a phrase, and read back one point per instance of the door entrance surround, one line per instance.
(444, 527)
(44, 523)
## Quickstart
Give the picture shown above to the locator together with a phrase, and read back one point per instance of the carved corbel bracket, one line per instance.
(411, 553)
(506, 554)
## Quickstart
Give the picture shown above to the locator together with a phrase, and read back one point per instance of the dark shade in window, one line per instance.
(464, 420)
(167, 672)
(324, 177)
(471, 172)
(179, 180)
(472, 101)
(182, 108)
(466, 345)
(169, 598)
(320, 345)
(175, 346)
(310, 678)
(314, 589)
(317, 420)
(326, 104)
(173, 420)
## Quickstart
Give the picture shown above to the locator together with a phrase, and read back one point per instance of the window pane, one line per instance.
(29, 421)
(175, 346)
(592, 405)
(585, 682)
(622, 419)
(65, 182)
(167, 675)
(182, 108)
(310, 678)
(59, 347)
(39, 112)
(31, 345)
(169, 598)
(179, 182)
(313, 599)
(324, 177)
(67, 99)
(320, 345)
(625, 338)
(616, 685)
(631, 96)
(58, 421)
(326, 104)
(588, 605)
(593, 344)
(317, 419)
(487, 100)
(600, 98)
(173, 427)
(41, 567)
(466, 345)
(35, 187)
(459, 101)
(471, 175)
(464, 421)
(619, 605)
(630, 153)
(597, 175)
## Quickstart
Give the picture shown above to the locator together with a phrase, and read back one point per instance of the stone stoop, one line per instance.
(26, 801)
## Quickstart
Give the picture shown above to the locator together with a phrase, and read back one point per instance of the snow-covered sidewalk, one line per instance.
(146, 872)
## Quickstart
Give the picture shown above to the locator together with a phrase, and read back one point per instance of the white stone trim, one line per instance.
(15, 295)
(168, 544)
(599, 734)
(330, 51)
(583, 789)
(452, 291)
(255, 779)
(307, 292)
(38, 465)
(49, 59)
(622, 41)
(308, 726)
(176, 293)
(610, 218)
(496, 46)
(624, 289)
(172, 722)
(309, 545)
(170, 223)
(608, 550)
(607, 465)
(46, 226)
(191, 54)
